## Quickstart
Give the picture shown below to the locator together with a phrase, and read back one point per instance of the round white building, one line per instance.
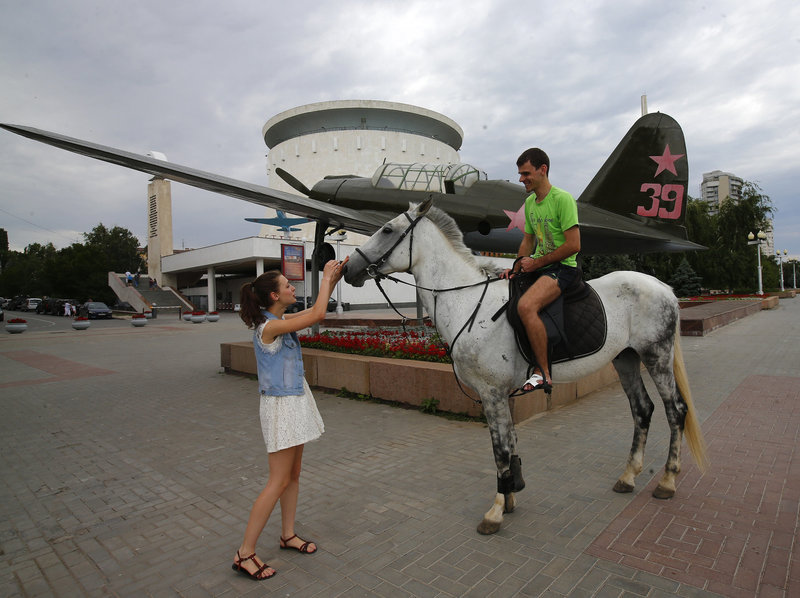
(355, 137)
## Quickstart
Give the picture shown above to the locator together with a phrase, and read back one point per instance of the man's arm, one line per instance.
(524, 251)
(527, 245)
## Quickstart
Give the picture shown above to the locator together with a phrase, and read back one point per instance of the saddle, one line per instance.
(575, 322)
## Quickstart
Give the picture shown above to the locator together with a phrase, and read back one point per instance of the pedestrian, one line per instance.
(136, 280)
(128, 278)
(67, 308)
(288, 412)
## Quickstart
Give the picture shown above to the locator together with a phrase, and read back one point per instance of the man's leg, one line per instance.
(543, 292)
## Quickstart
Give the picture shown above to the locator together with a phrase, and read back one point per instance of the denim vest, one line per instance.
(280, 374)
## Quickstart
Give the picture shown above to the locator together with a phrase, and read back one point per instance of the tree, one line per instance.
(595, 266)
(685, 282)
(3, 248)
(77, 272)
(734, 260)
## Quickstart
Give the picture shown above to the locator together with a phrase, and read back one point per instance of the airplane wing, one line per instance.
(360, 221)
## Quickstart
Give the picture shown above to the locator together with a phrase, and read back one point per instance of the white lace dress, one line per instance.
(290, 420)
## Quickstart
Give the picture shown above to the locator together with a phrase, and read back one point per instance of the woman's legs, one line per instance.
(289, 506)
(281, 468)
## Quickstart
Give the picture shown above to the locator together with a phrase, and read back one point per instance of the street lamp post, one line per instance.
(305, 277)
(780, 265)
(752, 240)
(342, 236)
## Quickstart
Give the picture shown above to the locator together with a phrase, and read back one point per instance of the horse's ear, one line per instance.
(423, 208)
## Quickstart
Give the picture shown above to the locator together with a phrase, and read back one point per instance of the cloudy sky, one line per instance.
(197, 80)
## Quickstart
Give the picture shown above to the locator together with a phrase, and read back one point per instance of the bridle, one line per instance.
(372, 270)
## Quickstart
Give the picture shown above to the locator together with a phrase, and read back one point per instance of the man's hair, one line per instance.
(535, 156)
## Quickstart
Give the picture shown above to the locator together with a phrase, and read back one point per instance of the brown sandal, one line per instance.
(304, 548)
(237, 566)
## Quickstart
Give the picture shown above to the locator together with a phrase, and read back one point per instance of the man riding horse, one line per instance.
(551, 226)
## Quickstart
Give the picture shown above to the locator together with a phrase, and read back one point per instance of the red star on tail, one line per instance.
(666, 161)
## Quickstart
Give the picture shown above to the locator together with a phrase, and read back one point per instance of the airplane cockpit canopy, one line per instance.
(441, 178)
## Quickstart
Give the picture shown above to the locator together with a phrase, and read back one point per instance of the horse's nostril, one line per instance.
(344, 269)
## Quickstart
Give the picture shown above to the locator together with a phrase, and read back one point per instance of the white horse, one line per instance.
(643, 327)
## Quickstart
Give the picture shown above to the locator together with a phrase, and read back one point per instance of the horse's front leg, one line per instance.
(509, 466)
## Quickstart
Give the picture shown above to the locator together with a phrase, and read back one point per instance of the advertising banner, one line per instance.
(293, 262)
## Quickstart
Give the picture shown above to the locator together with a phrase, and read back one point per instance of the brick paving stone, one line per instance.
(135, 478)
(759, 439)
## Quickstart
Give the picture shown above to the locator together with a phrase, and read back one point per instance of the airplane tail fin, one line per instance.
(646, 177)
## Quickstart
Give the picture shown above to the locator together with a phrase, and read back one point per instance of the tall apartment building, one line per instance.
(717, 186)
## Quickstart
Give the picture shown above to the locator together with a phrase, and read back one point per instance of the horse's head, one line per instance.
(388, 250)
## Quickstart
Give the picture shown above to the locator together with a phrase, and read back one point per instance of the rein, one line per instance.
(372, 271)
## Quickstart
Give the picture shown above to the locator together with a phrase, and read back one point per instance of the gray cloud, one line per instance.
(197, 80)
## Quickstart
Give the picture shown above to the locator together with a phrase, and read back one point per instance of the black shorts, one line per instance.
(563, 275)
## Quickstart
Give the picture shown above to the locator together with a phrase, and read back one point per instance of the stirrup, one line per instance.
(537, 382)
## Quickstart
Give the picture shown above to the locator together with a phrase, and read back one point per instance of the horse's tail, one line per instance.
(691, 430)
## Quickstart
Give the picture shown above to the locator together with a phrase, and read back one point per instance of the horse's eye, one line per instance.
(387, 230)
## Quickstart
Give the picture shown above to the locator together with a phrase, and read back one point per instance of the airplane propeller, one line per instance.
(293, 182)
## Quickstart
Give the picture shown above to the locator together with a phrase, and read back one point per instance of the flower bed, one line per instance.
(421, 346)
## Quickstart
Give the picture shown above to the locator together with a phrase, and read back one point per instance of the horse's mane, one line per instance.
(453, 234)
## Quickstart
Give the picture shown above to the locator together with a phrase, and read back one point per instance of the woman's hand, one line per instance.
(334, 270)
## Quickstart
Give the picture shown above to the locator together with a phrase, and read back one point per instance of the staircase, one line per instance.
(142, 298)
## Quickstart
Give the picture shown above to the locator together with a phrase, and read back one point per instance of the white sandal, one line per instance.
(537, 382)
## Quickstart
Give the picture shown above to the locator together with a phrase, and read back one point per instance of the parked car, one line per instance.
(16, 303)
(32, 304)
(2, 316)
(296, 307)
(95, 309)
(300, 306)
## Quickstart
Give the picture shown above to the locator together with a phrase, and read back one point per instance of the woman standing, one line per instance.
(289, 416)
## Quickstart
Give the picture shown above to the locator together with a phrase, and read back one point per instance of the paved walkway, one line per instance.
(129, 465)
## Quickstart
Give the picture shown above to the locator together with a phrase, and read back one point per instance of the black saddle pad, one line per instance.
(575, 322)
(585, 327)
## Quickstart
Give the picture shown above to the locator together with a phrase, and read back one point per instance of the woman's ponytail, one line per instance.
(255, 296)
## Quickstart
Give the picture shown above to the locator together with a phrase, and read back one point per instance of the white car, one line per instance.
(32, 304)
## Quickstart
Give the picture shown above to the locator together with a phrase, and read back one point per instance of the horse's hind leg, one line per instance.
(659, 365)
(628, 368)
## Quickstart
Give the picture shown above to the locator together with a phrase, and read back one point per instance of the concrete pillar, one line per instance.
(259, 266)
(159, 229)
(212, 289)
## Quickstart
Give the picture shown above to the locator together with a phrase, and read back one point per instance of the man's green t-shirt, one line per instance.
(548, 220)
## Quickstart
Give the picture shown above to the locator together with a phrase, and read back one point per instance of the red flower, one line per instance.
(381, 343)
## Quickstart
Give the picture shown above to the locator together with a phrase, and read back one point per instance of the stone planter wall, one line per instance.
(408, 381)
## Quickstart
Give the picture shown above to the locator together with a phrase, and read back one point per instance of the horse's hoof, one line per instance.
(488, 527)
(623, 487)
(663, 493)
(510, 503)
